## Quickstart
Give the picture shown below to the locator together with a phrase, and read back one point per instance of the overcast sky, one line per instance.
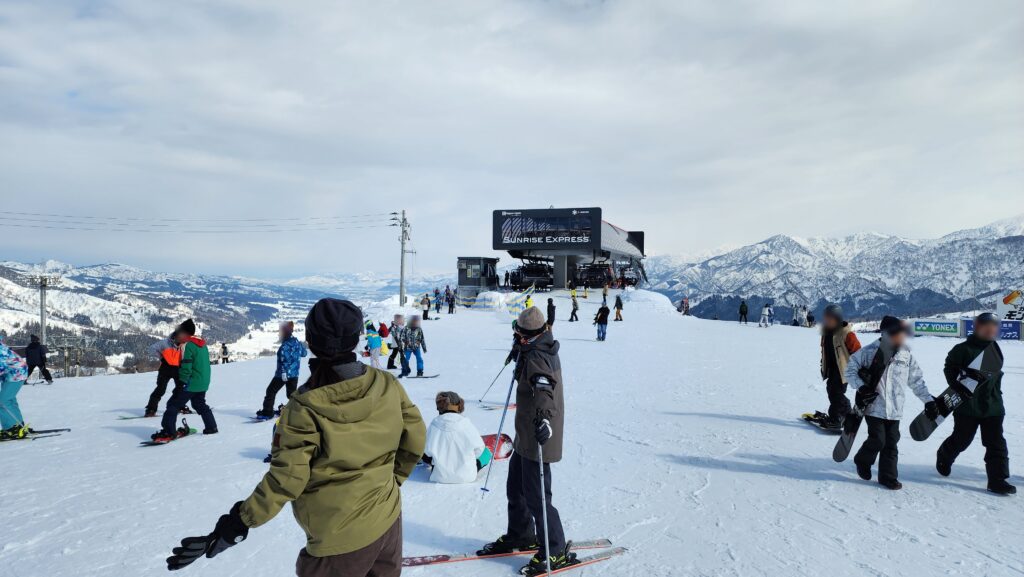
(701, 123)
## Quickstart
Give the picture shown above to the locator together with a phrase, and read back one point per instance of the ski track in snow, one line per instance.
(683, 443)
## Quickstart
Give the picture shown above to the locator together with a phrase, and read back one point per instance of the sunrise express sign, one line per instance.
(553, 229)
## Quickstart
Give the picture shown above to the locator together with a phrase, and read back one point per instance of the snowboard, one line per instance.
(503, 449)
(971, 378)
(157, 443)
(423, 377)
(817, 419)
(580, 562)
(847, 436)
(459, 557)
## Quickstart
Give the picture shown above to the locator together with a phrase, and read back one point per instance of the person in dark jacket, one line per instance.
(601, 320)
(979, 357)
(551, 312)
(169, 353)
(618, 307)
(539, 423)
(743, 312)
(838, 342)
(35, 356)
(575, 309)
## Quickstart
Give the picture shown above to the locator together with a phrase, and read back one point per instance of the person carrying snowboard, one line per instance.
(413, 342)
(345, 443)
(551, 312)
(289, 357)
(743, 312)
(454, 450)
(35, 356)
(838, 342)
(601, 320)
(618, 307)
(575, 309)
(194, 374)
(169, 353)
(425, 305)
(540, 415)
(983, 409)
(880, 371)
(13, 374)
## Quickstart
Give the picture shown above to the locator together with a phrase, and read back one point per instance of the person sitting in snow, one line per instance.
(454, 448)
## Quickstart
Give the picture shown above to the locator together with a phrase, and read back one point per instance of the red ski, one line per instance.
(503, 449)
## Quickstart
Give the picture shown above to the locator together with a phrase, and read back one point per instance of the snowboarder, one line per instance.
(984, 409)
(454, 450)
(766, 315)
(346, 442)
(194, 374)
(618, 307)
(743, 312)
(880, 371)
(575, 309)
(224, 358)
(425, 305)
(374, 344)
(551, 312)
(838, 342)
(13, 374)
(289, 356)
(169, 353)
(412, 344)
(396, 330)
(601, 320)
(35, 356)
(539, 419)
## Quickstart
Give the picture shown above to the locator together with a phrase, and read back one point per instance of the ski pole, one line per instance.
(501, 425)
(492, 383)
(544, 507)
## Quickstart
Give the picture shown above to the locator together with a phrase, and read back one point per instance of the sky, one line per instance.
(702, 123)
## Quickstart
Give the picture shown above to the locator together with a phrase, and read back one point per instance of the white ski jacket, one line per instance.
(902, 372)
(453, 444)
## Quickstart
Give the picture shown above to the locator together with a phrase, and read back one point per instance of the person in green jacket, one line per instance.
(194, 374)
(979, 357)
(346, 441)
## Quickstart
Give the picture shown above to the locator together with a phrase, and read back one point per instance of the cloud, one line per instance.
(701, 123)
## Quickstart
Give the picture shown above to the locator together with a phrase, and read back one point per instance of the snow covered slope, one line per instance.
(682, 443)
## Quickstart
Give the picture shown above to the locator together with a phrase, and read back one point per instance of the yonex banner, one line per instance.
(937, 327)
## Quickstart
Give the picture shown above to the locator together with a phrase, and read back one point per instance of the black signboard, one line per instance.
(548, 229)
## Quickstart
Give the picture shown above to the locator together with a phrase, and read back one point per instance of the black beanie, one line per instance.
(333, 327)
(188, 327)
(891, 325)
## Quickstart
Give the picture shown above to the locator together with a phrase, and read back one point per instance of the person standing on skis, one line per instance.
(838, 342)
(766, 316)
(980, 358)
(35, 356)
(169, 353)
(195, 378)
(540, 415)
(397, 331)
(289, 357)
(346, 442)
(13, 374)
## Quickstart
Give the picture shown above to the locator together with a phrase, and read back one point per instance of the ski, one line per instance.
(155, 443)
(32, 431)
(581, 562)
(457, 558)
(125, 418)
(497, 407)
(422, 377)
(31, 437)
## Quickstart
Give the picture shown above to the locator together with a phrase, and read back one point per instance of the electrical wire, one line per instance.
(114, 228)
(217, 220)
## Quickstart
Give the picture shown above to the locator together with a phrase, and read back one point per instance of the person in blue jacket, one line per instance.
(13, 374)
(289, 356)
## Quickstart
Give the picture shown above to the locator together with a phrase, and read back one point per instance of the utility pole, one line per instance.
(402, 223)
(43, 282)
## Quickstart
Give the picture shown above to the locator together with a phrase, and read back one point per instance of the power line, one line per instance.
(212, 224)
(213, 220)
(114, 228)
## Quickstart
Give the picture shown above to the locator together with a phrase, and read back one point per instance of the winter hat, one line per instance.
(34, 338)
(333, 327)
(531, 322)
(449, 402)
(835, 311)
(892, 325)
(983, 318)
(188, 327)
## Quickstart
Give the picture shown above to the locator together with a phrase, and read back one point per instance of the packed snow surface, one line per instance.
(683, 444)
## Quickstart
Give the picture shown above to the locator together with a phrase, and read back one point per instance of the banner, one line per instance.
(1011, 307)
(1008, 330)
(936, 327)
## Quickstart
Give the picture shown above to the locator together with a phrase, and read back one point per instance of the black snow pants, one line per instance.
(525, 514)
(882, 443)
(838, 402)
(179, 399)
(165, 374)
(997, 456)
(274, 387)
(395, 353)
(42, 371)
(743, 317)
(573, 318)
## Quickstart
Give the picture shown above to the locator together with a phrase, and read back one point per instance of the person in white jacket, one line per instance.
(879, 372)
(454, 447)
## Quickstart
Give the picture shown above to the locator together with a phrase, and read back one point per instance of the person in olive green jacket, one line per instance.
(346, 441)
(194, 374)
(980, 358)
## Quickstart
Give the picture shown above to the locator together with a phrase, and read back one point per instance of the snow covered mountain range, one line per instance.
(869, 273)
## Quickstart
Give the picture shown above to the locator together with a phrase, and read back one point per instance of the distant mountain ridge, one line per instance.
(870, 273)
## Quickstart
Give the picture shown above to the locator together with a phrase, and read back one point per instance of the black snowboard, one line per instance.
(846, 439)
(970, 378)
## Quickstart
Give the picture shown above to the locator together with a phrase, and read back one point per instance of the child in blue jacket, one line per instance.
(13, 374)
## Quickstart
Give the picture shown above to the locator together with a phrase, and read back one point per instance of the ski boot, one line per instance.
(1001, 487)
(15, 432)
(419, 373)
(944, 467)
(538, 565)
(162, 437)
(832, 423)
(507, 544)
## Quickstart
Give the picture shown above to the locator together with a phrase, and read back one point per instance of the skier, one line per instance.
(13, 374)
(374, 343)
(194, 374)
(879, 372)
(454, 450)
(397, 329)
(766, 316)
(575, 309)
(983, 409)
(618, 307)
(286, 375)
(551, 313)
(838, 342)
(539, 418)
(743, 311)
(35, 356)
(601, 320)
(425, 305)
(346, 442)
(169, 353)
(412, 343)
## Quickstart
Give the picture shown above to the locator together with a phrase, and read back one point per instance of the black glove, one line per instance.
(230, 531)
(931, 410)
(513, 356)
(865, 396)
(865, 374)
(543, 430)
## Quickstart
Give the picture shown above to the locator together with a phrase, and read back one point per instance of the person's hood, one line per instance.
(544, 344)
(197, 341)
(843, 325)
(447, 422)
(348, 401)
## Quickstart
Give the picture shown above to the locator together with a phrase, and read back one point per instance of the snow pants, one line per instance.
(451, 307)
(382, 558)
(426, 314)
(42, 371)
(573, 318)
(165, 374)
(419, 361)
(743, 318)
(997, 456)
(882, 441)
(396, 353)
(10, 412)
(602, 331)
(525, 513)
(838, 402)
(274, 387)
(375, 358)
(179, 399)
(764, 322)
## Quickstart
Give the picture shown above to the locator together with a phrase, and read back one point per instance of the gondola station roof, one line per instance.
(578, 232)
